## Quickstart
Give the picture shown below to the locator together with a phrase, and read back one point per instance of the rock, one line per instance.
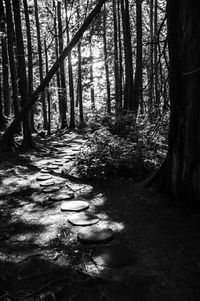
(57, 164)
(47, 183)
(62, 196)
(74, 206)
(113, 256)
(52, 166)
(44, 171)
(83, 219)
(50, 189)
(43, 177)
(95, 234)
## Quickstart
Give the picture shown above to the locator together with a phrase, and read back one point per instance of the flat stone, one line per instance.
(57, 164)
(83, 219)
(52, 166)
(62, 196)
(113, 256)
(74, 206)
(58, 160)
(44, 171)
(43, 177)
(47, 183)
(95, 234)
(50, 189)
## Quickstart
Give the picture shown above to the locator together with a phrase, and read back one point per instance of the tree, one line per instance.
(4, 52)
(7, 138)
(21, 70)
(40, 62)
(180, 173)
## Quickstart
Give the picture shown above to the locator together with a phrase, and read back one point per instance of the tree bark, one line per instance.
(180, 173)
(8, 135)
(44, 109)
(23, 89)
(11, 53)
(108, 100)
(6, 90)
(116, 60)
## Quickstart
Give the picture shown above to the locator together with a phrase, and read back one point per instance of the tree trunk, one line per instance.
(30, 63)
(6, 90)
(138, 85)
(63, 92)
(40, 62)
(180, 173)
(71, 80)
(157, 94)
(47, 90)
(120, 56)
(2, 118)
(91, 71)
(8, 135)
(129, 101)
(108, 101)
(23, 89)
(11, 53)
(116, 65)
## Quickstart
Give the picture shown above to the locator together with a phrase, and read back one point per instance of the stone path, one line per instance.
(60, 191)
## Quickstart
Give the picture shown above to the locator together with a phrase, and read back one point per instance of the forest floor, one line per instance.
(42, 259)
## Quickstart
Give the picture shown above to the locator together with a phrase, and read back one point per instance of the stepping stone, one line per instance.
(74, 206)
(43, 177)
(62, 196)
(113, 256)
(83, 219)
(44, 171)
(50, 189)
(47, 183)
(52, 166)
(58, 163)
(95, 234)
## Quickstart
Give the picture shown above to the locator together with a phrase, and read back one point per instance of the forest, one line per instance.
(99, 150)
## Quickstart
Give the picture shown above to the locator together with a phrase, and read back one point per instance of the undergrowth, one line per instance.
(120, 148)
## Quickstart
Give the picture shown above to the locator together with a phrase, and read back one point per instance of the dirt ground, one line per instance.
(42, 259)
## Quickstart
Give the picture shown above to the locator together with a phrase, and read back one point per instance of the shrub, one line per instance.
(106, 154)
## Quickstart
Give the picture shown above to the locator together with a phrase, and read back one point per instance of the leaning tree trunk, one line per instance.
(8, 135)
(180, 173)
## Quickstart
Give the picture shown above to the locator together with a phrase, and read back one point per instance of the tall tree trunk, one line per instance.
(79, 82)
(129, 102)
(2, 118)
(91, 71)
(108, 101)
(138, 85)
(6, 89)
(11, 53)
(116, 66)
(23, 89)
(40, 62)
(47, 90)
(7, 137)
(30, 63)
(151, 73)
(71, 80)
(62, 71)
(180, 173)
(120, 55)
(57, 55)
(157, 94)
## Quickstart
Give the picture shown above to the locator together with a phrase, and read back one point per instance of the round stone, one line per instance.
(50, 189)
(95, 234)
(83, 219)
(44, 171)
(47, 183)
(43, 177)
(62, 196)
(74, 206)
(52, 166)
(113, 256)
